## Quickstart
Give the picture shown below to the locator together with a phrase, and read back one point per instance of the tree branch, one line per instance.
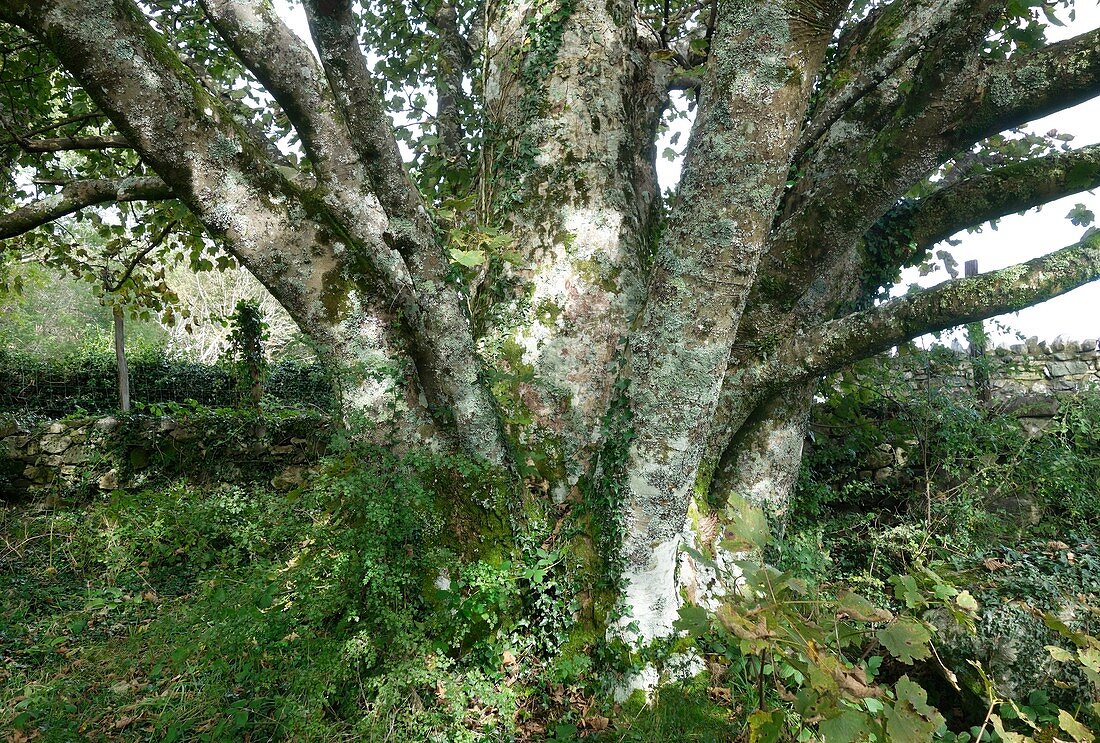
(1032, 85)
(78, 195)
(288, 70)
(155, 243)
(994, 194)
(915, 24)
(334, 26)
(835, 344)
(62, 144)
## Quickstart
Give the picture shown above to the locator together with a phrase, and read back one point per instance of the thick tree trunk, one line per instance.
(748, 121)
(573, 104)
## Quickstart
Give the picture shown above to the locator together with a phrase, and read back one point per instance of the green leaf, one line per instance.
(967, 601)
(911, 719)
(468, 258)
(693, 620)
(905, 589)
(1079, 732)
(765, 727)
(844, 728)
(747, 525)
(906, 639)
(859, 608)
(1059, 654)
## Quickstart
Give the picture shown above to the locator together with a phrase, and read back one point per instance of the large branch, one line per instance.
(212, 164)
(79, 195)
(991, 195)
(857, 336)
(905, 29)
(1032, 85)
(443, 349)
(63, 144)
(334, 27)
(286, 67)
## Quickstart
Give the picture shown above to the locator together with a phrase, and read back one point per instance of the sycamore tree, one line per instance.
(457, 202)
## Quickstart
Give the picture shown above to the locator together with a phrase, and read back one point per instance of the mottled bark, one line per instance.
(748, 121)
(78, 195)
(572, 107)
(762, 462)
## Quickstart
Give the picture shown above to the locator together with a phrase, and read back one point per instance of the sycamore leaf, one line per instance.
(468, 258)
(906, 639)
(911, 719)
(1059, 654)
(693, 620)
(765, 727)
(1080, 733)
(905, 588)
(748, 526)
(1005, 735)
(859, 608)
(846, 727)
(967, 601)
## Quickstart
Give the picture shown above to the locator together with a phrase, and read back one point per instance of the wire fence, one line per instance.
(88, 382)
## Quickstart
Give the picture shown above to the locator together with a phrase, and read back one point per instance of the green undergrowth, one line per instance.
(233, 613)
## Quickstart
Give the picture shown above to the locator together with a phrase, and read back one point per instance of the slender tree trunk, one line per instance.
(120, 358)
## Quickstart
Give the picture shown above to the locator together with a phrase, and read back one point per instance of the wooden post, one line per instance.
(120, 358)
(976, 335)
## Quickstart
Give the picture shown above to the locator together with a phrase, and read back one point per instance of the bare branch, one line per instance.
(78, 195)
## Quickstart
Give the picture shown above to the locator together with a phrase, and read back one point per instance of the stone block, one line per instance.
(1066, 368)
(1089, 344)
(56, 444)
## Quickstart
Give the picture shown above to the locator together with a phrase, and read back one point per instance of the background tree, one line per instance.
(518, 284)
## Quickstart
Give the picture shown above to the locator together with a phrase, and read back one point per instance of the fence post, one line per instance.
(975, 333)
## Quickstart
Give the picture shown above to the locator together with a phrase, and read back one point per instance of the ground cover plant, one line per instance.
(356, 606)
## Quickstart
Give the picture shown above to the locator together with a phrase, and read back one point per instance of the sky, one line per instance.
(1017, 238)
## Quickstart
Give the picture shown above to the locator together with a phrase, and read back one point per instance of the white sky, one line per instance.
(1017, 238)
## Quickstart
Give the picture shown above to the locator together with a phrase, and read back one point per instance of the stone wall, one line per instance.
(103, 453)
(1030, 381)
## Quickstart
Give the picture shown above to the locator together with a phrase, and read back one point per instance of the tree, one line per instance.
(516, 284)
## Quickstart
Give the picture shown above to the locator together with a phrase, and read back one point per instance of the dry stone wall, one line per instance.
(103, 453)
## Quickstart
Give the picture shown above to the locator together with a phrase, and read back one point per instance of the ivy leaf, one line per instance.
(1081, 216)
(1080, 733)
(911, 719)
(906, 639)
